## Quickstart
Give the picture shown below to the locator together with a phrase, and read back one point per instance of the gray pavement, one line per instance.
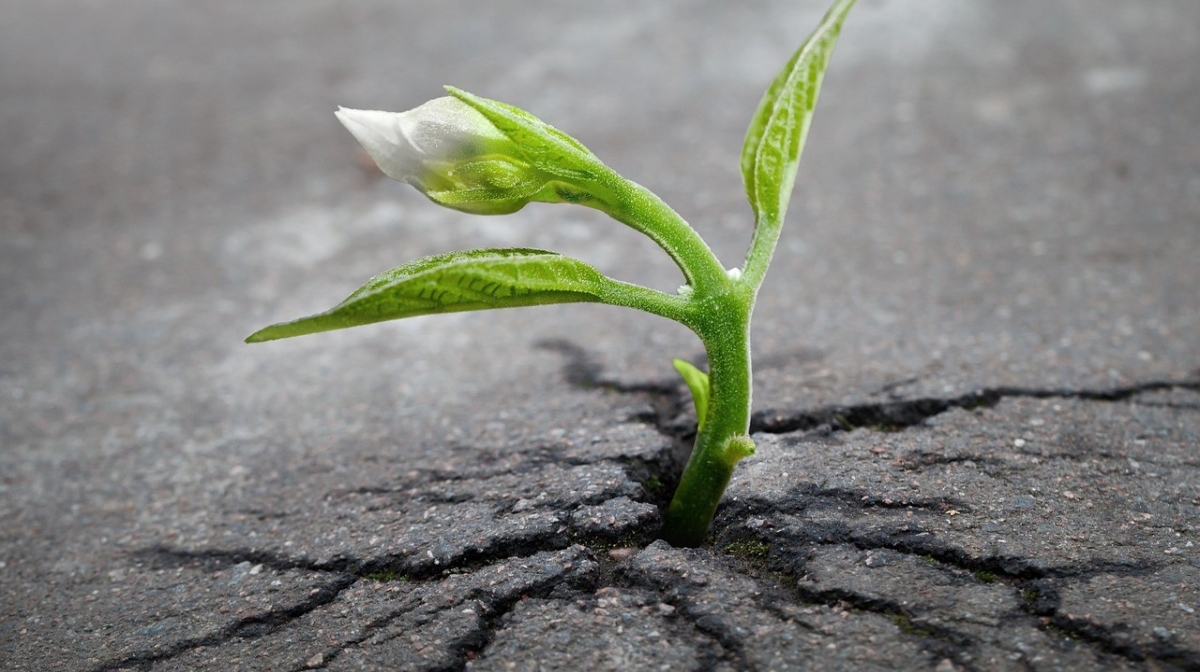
(978, 350)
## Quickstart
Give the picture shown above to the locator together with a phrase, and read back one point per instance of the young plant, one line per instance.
(485, 157)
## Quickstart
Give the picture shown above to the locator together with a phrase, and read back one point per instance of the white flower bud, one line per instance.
(450, 152)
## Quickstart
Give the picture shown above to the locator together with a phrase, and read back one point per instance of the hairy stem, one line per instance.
(724, 327)
(639, 208)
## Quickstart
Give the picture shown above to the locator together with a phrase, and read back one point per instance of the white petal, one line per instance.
(381, 134)
(447, 129)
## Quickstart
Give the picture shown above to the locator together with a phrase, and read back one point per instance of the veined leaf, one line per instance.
(547, 148)
(775, 139)
(697, 382)
(460, 281)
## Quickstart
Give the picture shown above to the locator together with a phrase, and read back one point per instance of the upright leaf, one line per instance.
(460, 281)
(775, 139)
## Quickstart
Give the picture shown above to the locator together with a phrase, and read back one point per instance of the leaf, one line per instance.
(547, 148)
(460, 281)
(775, 139)
(697, 382)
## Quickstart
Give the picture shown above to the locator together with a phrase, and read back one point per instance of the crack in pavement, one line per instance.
(901, 414)
(909, 540)
(249, 627)
(347, 573)
(486, 601)
(1015, 571)
(1034, 584)
(1044, 603)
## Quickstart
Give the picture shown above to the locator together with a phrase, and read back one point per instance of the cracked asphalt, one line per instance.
(977, 399)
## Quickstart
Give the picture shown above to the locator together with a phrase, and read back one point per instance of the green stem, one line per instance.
(724, 327)
(762, 249)
(718, 310)
(642, 210)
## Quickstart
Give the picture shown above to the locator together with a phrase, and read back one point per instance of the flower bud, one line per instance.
(451, 153)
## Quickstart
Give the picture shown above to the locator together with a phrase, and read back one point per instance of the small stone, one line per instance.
(1023, 502)
(620, 554)
(315, 662)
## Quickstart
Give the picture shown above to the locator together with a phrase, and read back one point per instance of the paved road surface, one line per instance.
(978, 351)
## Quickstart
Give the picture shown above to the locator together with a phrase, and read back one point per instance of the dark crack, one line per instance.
(938, 640)
(910, 539)
(917, 460)
(581, 371)
(1043, 602)
(671, 415)
(398, 566)
(467, 645)
(774, 587)
(728, 648)
(806, 496)
(165, 557)
(898, 415)
(780, 557)
(250, 627)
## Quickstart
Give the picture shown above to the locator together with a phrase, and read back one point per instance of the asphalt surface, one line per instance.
(977, 351)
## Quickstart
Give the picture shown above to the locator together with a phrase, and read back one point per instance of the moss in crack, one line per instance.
(753, 556)
(388, 575)
(985, 576)
(750, 551)
(905, 623)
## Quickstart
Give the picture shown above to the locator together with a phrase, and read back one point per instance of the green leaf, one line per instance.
(775, 139)
(460, 281)
(697, 382)
(545, 147)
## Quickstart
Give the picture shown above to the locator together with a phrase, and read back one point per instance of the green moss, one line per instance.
(1030, 595)
(753, 551)
(906, 625)
(602, 544)
(755, 555)
(387, 575)
(985, 576)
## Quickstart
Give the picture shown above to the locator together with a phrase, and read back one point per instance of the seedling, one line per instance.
(485, 157)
